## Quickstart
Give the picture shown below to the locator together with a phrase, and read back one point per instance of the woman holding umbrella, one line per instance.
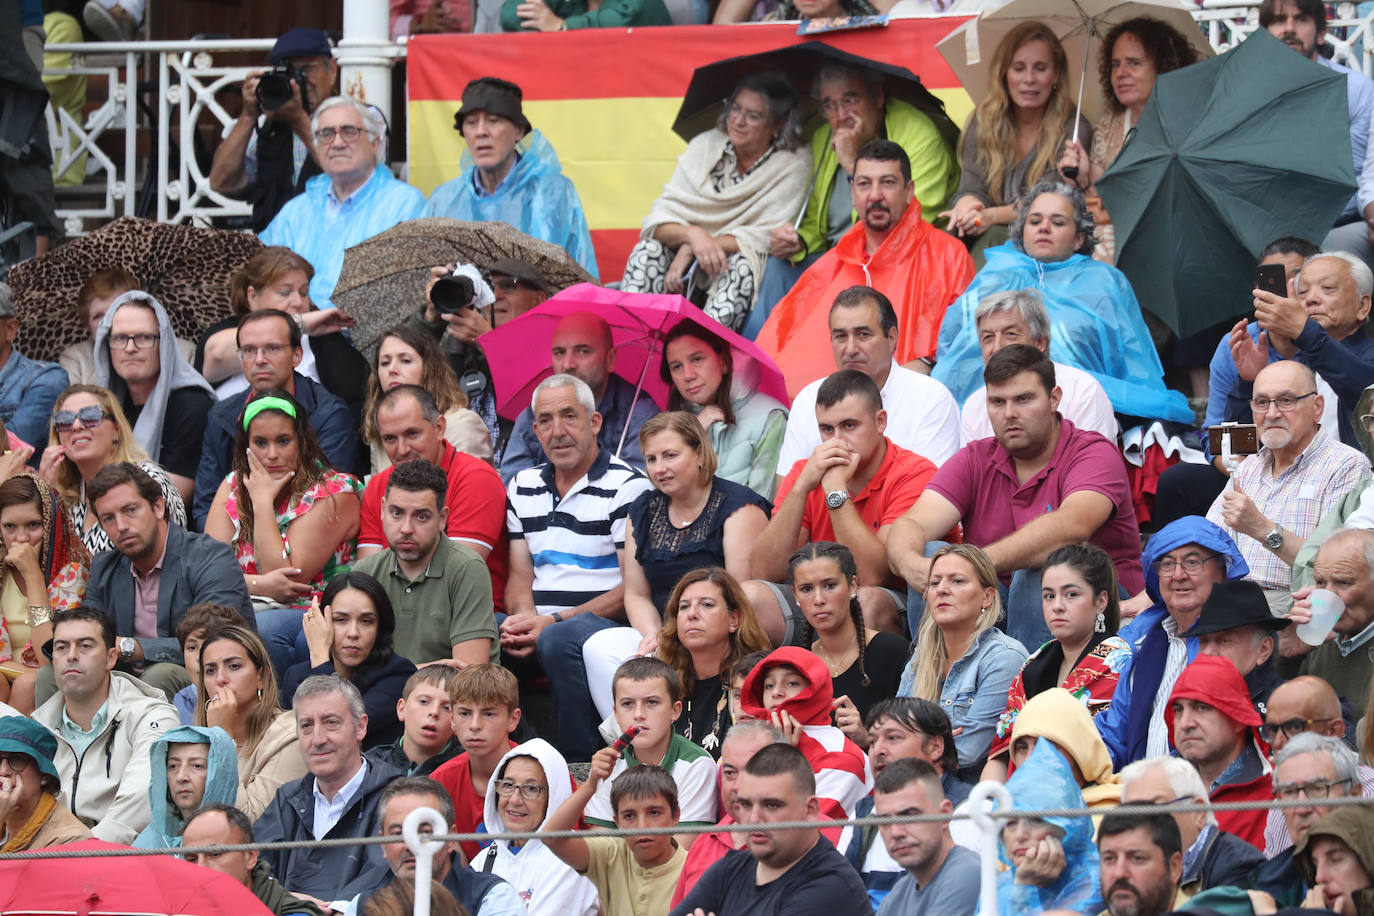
(1015, 135)
(1134, 53)
(745, 426)
(732, 186)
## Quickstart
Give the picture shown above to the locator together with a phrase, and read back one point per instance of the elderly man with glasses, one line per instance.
(356, 197)
(1277, 496)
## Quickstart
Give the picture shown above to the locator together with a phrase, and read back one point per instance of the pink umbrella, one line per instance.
(518, 351)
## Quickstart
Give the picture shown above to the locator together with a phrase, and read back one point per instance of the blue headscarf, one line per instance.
(221, 782)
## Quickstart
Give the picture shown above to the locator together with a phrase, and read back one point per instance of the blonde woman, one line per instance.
(1016, 134)
(962, 661)
(88, 431)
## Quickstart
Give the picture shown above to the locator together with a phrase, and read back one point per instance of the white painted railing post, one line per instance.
(366, 53)
(984, 793)
(424, 849)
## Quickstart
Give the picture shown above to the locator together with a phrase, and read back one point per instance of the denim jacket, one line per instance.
(28, 390)
(975, 692)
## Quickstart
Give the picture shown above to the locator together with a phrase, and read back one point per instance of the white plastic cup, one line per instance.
(1327, 608)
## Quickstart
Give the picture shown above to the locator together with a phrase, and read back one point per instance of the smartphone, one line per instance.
(1244, 438)
(1272, 278)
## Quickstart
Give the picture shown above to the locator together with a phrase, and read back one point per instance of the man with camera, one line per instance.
(269, 154)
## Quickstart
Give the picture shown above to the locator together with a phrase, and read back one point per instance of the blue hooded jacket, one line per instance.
(1045, 780)
(1124, 725)
(1095, 325)
(534, 197)
(221, 782)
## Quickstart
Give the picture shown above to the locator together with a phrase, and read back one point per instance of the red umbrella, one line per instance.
(518, 351)
(121, 884)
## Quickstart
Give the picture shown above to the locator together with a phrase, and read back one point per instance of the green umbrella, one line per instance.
(1230, 154)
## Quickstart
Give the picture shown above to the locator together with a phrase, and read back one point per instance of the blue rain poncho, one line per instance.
(221, 782)
(534, 197)
(1045, 780)
(321, 230)
(1095, 325)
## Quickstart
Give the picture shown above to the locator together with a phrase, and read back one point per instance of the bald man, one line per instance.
(1304, 704)
(1344, 564)
(1278, 495)
(582, 346)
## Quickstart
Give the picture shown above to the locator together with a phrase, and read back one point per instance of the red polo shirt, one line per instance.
(476, 501)
(901, 477)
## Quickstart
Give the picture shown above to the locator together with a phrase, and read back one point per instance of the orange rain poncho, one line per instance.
(920, 268)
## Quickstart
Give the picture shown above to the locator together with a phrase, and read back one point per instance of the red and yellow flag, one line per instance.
(606, 100)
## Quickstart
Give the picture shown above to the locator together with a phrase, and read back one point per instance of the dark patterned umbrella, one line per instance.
(185, 268)
(383, 279)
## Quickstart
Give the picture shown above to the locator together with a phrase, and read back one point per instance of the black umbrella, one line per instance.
(800, 63)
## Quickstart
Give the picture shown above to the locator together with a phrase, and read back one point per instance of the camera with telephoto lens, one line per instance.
(452, 294)
(274, 88)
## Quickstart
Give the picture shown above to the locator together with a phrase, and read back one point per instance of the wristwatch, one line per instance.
(127, 645)
(836, 498)
(1274, 539)
(557, 617)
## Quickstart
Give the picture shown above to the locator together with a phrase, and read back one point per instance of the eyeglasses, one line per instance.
(529, 791)
(16, 761)
(749, 115)
(1290, 729)
(1285, 403)
(326, 135)
(140, 341)
(1368, 421)
(1192, 565)
(271, 351)
(1315, 791)
(848, 102)
(506, 284)
(92, 415)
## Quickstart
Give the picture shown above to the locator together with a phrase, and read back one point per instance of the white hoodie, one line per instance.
(544, 882)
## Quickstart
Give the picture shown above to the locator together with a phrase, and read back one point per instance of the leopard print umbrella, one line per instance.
(186, 268)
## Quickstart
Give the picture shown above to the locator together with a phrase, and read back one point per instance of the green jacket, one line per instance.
(934, 169)
(611, 14)
(275, 897)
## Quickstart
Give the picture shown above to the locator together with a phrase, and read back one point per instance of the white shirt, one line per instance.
(922, 416)
(1157, 735)
(1083, 402)
(327, 813)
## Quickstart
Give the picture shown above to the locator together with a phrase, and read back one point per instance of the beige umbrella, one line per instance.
(1080, 25)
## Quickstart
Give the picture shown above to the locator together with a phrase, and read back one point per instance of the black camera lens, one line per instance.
(274, 90)
(451, 294)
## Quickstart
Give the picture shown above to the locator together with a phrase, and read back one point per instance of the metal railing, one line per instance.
(167, 87)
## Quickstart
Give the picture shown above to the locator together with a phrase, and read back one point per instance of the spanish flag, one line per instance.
(606, 100)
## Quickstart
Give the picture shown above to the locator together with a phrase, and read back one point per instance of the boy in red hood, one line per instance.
(842, 773)
(1214, 726)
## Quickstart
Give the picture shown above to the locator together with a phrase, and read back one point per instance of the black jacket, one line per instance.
(338, 872)
(381, 686)
(1227, 861)
(394, 755)
(274, 187)
(467, 886)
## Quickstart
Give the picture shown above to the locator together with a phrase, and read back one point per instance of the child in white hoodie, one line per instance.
(530, 782)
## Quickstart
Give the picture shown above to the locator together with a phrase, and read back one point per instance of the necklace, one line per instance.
(830, 663)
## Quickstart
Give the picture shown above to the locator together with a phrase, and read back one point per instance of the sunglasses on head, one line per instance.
(91, 415)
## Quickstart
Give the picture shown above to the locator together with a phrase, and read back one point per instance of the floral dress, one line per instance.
(333, 483)
(1092, 680)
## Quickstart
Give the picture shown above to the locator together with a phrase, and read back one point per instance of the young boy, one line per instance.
(484, 703)
(648, 694)
(423, 709)
(634, 875)
(734, 679)
(198, 620)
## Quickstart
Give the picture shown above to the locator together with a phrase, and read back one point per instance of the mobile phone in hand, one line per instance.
(1272, 278)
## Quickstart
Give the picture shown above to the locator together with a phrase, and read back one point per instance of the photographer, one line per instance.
(517, 288)
(268, 156)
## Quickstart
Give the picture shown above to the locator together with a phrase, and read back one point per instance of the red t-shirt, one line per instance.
(476, 501)
(468, 804)
(901, 477)
(981, 481)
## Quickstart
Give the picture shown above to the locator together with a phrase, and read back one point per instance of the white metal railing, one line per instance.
(184, 78)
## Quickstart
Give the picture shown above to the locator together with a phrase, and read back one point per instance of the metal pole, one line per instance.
(988, 796)
(366, 53)
(424, 849)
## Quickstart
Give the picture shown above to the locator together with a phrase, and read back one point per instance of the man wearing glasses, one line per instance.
(1278, 495)
(356, 197)
(1314, 768)
(1304, 705)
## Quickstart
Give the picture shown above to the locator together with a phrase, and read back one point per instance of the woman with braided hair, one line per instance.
(865, 666)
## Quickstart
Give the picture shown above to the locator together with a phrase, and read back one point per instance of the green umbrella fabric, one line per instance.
(1230, 154)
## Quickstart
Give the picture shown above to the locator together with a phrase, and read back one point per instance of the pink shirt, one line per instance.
(980, 480)
(145, 597)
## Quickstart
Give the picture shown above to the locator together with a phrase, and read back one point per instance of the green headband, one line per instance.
(261, 404)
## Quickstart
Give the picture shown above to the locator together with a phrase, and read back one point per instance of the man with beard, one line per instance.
(439, 587)
(1142, 862)
(940, 876)
(1277, 496)
(921, 269)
